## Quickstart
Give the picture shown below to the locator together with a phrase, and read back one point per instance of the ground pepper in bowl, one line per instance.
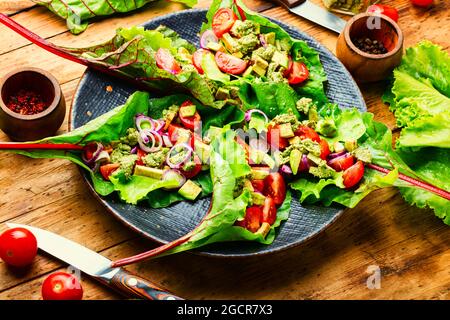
(27, 102)
(370, 46)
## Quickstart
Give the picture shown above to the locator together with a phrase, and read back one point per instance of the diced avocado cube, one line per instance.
(202, 150)
(260, 173)
(213, 132)
(148, 172)
(183, 135)
(285, 44)
(259, 71)
(295, 140)
(264, 229)
(338, 147)
(281, 59)
(295, 158)
(350, 145)
(235, 28)
(188, 111)
(315, 159)
(258, 198)
(278, 45)
(229, 42)
(222, 94)
(238, 54)
(267, 159)
(215, 46)
(190, 190)
(256, 156)
(270, 38)
(286, 130)
(260, 66)
(248, 72)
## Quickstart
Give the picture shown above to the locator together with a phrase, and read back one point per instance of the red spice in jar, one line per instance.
(27, 103)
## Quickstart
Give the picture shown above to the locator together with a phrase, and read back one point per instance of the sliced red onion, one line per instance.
(336, 154)
(187, 156)
(140, 119)
(207, 37)
(134, 150)
(248, 114)
(262, 39)
(175, 176)
(154, 139)
(95, 154)
(166, 140)
(158, 141)
(159, 124)
(286, 169)
(304, 166)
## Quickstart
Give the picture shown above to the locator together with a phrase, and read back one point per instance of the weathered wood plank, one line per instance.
(10, 7)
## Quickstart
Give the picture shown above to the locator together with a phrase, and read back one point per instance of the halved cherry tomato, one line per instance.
(197, 59)
(422, 3)
(269, 211)
(172, 131)
(342, 163)
(223, 21)
(353, 174)
(89, 150)
(299, 73)
(275, 187)
(258, 185)
(190, 122)
(325, 149)
(62, 286)
(107, 169)
(384, 9)
(274, 140)
(141, 154)
(289, 68)
(194, 171)
(166, 61)
(18, 247)
(230, 64)
(252, 219)
(305, 132)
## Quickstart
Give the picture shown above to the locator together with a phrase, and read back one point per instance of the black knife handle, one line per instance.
(135, 286)
(288, 3)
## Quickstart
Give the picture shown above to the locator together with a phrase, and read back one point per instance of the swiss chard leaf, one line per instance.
(78, 12)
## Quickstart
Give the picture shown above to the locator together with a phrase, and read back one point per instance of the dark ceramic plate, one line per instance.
(164, 225)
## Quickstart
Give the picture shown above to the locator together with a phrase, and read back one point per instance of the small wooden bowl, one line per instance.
(20, 127)
(366, 67)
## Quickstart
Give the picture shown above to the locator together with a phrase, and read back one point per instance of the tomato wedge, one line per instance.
(353, 175)
(325, 149)
(230, 64)
(141, 154)
(258, 185)
(107, 169)
(274, 140)
(197, 59)
(269, 211)
(299, 73)
(342, 163)
(195, 170)
(275, 187)
(305, 132)
(223, 21)
(252, 219)
(166, 61)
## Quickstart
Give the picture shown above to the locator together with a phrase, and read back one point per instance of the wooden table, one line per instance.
(409, 245)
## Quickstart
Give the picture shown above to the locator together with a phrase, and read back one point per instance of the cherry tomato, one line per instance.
(197, 59)
(325, 149)
(166, 61)
(342, 163)
(353, 175)
(299, 73)
(62, 286)
(258, 185)
(289, 68)
(422, 3)
(18, 247)
(305, 132)
(269, 211)
(107, 169)
(252, 219)
(230, 64)
(274, 140)
(190, 122)
(275, 187)
(89, 150)
(141, 154)
(385, 10)
(223, 21)
(194, 171)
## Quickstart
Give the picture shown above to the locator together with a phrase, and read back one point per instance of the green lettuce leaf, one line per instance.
(78, 12)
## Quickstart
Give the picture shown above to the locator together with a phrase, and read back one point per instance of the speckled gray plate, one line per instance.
(164, 225)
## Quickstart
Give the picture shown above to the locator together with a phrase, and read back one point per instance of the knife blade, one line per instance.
(96, 265)
(314, 13)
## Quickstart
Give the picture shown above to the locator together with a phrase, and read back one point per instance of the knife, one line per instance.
(96, 265)
(314, 13)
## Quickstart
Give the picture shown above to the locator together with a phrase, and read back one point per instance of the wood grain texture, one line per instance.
(410, 245)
